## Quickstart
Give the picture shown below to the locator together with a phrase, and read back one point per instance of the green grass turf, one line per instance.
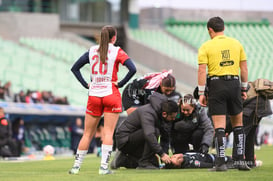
(57, 170)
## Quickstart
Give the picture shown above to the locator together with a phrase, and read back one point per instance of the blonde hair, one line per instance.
(107, 33)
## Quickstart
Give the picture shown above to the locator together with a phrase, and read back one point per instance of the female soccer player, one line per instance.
(104, 96)
(137, 93)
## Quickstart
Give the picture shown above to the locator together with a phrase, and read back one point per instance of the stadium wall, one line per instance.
(14, 25)
(157, 16)
(17, 24)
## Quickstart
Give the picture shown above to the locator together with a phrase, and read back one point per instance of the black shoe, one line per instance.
(251, 164)
(119, 160)
(243, 167)
(230, 164)
(219, 168)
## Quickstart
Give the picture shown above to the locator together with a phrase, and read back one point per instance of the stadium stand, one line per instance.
(255, 36)
(59, 48)
(23, 65)
(161, 41)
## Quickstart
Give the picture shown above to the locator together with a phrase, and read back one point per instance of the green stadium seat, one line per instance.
(30, 82)
(257, 40)
(154, 39)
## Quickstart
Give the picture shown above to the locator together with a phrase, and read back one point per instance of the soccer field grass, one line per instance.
(57, 170)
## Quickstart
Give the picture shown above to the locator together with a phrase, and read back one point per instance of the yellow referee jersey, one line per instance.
(222, 55)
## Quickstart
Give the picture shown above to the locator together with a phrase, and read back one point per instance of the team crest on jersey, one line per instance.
(136, 101)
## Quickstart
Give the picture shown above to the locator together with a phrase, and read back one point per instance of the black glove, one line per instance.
(204, 148)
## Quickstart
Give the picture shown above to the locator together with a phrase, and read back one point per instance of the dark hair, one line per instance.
(107, 34)
(168, 81)
(216, 23)
(169, 107)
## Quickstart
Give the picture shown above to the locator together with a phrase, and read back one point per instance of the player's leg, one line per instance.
(89, 131)
(92, 117)
(239, 141)
(99, 136)
(112, 108)
(148, 159)
(130, 110)
(249, 149)
(110, 120)
(219, 122)
(130, 153)
(218, 109)
(235, 107)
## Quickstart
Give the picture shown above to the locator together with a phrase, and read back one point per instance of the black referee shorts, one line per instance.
(225, 97)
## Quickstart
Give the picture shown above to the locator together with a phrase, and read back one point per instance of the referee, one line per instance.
(224, 56)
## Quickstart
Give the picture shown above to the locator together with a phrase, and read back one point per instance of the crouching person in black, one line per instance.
(192, 126)
(137, 136)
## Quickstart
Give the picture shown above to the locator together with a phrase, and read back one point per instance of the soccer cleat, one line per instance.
(103, 171)
(118, 161)
(221, 168)
(229, 163)
(243, 167)
(74, 170)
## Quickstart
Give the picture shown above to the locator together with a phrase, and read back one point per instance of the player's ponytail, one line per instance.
(107, 34)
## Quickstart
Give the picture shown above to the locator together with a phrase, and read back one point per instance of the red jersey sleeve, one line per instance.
(122, 56)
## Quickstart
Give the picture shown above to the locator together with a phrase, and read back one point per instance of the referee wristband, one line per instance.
(244, 84)
(201, 88)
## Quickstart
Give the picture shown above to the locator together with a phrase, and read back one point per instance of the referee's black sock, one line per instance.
(239, 143)
(239, 148)
(220, 145)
